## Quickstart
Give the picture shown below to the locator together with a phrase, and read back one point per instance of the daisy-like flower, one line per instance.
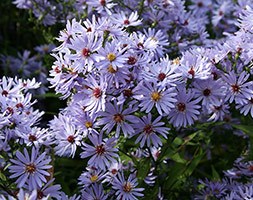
(148, 131)
(238, 87)
(30, 169)
(186, 109)
(246, 108)
(72, 28)
(65, 136)
(95, 94)
(209, 91)
(126, 21)
(96, 191)
(197, 67)
(163, 98)
(159, 38)
(126, 189)
(101, 6)
(112, 54)
(163, 72)
(91, 176)
(116, 116)
(85, 47)
(218, 112)
(102, 152)
(33, 136)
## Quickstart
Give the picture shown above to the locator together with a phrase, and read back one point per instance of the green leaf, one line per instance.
(143, 168)
(2, 177)
(177, 158)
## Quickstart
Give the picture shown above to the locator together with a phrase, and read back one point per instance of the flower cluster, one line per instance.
(135, 81)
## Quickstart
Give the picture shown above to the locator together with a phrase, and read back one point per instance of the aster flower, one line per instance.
(91, 176)
(126, 189)
(65, 136)
(163, 98)
(164, 72)
(218, 112)
(33, 136)
(112, 54)
(114, 115)
(186, 109)
(246, 107)
(101, 6)
(159, 39)
(197, 67)
(85, 47)
(102, 152)
(238, 87)
(95, 94)
(147, 131)
(209, 91)
(126, 21)
(95, 191)
(30, 169)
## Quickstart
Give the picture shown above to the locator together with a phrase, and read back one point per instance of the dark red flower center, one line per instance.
(5, 93)
(161, 76)
(102, 2)
(71, 139)
(126, 22)
(114, 171)
(97, 92)
(127, 92)
(32, 138)
(192, 72)
(181, 107)
(100, 149)
(57, 70)
(86, 52)
(131, 60)
(89, 29)
(207, 92)
(19, 105)
(148, 129)
(235, 88)
(40, 194)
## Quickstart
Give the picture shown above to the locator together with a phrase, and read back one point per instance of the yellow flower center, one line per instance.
(156, 96)
(94, 178)
(111, 69)
(111, 57)
(30, 168)
(88, 124)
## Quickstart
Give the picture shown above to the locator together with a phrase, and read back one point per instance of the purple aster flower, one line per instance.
(218, 112)
(147, 131)
(96, 94)
(238, 87)
(101, 6)
(113, 170)
(246, 107)
(95, 191)
(126, 189)
(112, 54)
(33, 136)
(163, 72)
(91, 176)
(209, 91)
(102, 152)
(65, 135)
(126, 21)
(30, 169)
(194, 66)
(186, 109)
(114, 115)
(163, 98)
(85, 47)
